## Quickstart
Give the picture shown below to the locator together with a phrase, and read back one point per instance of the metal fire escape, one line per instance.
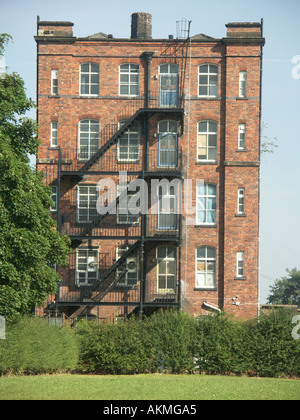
(142, 236)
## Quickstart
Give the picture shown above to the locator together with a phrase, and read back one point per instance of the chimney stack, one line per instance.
(141, 25)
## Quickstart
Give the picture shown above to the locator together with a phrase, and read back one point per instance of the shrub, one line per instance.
(270, 349)
(172, 336)
(216, 345)
(33, 346)
(121, 348)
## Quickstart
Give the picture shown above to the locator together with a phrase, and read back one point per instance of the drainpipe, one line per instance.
(149, 56)
(212, 307)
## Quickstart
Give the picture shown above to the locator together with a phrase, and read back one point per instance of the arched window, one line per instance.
(168, 85)
(206, 267)
(208, 80)
(129, 79)
(207, 137)
(89, 79)
(129, 143)
(88, 138)
(130, 278)
(167, 143)
(206, 204)
(166, 269)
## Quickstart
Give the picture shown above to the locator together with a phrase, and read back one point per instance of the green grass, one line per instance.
(147, 387)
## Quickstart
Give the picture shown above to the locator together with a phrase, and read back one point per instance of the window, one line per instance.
(166, 269)
(129, 143)
(89, 79)
(242, 137)
(88, 138)
(130, 278)
(208, 80)
(240, 264)
(206, 267)
(86, 203)
(206, 204)
(242, 84)
(54, 199)
(167, 143)
(166, 208)
(54, 82)
(207, 141)
(86, 267)
(54, 134)
(129, 79)
(124, 216)
(168, 85)
(241, 201)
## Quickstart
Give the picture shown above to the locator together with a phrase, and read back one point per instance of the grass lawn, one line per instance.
(147, 387)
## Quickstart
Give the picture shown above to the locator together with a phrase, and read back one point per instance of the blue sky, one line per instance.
(280, 171)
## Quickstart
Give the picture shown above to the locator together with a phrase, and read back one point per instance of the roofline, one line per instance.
(55, 23)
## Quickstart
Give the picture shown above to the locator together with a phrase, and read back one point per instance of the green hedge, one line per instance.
(33, 346)
(168, 341)
(174, 342)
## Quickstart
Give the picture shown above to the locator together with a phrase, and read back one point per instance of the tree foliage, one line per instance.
(29, 241)
(286, 291)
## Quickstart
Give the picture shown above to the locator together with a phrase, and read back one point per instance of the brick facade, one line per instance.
(233, 167)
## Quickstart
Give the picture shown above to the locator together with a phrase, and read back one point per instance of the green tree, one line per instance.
(286, 290)
(29, 242)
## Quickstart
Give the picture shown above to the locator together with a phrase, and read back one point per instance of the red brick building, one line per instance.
(158, 109)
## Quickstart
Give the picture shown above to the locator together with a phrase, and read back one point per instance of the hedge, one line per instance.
(33, 346)
(175, 342)
(168, 341)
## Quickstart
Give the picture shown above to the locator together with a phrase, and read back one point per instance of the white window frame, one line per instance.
(90, 265)
(90, 149)
(206, 272)
(125, 280)
(242, 84)
(126, 218)
(54, 82)
(133, 69)
(130, 136)
(209, 75)
(242, 137)
(207, 135)
(169, 162)
(168, 261)
(90, 75)
(240, 264)
(167, 206)
(91, 211)
(54, 198)
(54, 134)
(206, 197)
(241, 201)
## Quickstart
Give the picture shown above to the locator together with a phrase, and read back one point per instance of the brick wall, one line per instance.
(233, 169)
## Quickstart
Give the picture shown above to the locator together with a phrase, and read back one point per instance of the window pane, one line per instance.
(203, 90)
(134, 90)
(124, 67)
(161, 252)
(94, 89)
(212, 126)
(85, 68)
(95, 78)
(204, 68)
(124, 89)
(174, 68)
(95, 68)
(201, 252)
(164, 68)
(203, 80)
(211, 252)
